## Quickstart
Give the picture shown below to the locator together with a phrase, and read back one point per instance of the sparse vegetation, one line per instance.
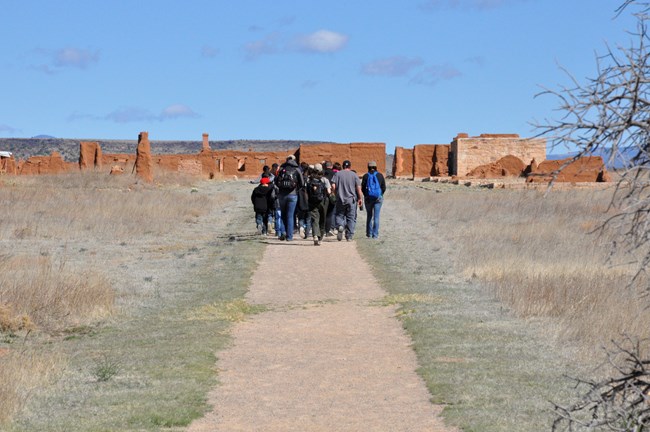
(93, 274)
(558, 298)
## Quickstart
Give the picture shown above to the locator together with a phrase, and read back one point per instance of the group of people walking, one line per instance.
(319, 200)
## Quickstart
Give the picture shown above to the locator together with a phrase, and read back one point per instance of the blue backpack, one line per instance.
(373, 186)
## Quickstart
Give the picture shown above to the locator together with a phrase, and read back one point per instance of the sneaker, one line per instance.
(316, 242)
(329, 234)
(339, 234)
(282, 237)
(302, 232)
(259, 230)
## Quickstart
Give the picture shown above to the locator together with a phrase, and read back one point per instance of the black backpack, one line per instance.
(315, 190)
(287, 179)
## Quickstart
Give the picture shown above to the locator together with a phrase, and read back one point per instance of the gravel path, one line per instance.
(324, 357)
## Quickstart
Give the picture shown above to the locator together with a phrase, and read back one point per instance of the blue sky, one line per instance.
(401, 72)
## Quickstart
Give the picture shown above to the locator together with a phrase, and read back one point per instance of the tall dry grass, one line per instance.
(544, 256)
(21, 373)
(36, 293)
(39, 289)
(86, 205)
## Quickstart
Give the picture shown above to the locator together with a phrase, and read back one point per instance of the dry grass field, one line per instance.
(115, 297)
(101, 279)
(504, 292)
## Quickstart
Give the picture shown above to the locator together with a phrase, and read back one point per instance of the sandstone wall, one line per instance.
(245, 164)
(403, 163)
(362, 153)
(207, 163)
(441, 160)
(471, 152)
(90, 155)
(8, 165)
(143, 159)
(359, 154)
(53, 164)
(423, 160)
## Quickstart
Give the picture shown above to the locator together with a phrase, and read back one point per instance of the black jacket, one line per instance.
(263, 198)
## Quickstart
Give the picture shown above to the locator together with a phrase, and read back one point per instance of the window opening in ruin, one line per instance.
(241, 165)
(263, 161)
(218, 163)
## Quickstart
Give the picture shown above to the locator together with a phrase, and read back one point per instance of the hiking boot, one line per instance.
(339, 234)
(282, 237)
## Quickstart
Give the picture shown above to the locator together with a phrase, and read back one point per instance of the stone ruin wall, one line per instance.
(403, 163)
(207, 163)
(471, 152)
(423, 161)
(359, 154)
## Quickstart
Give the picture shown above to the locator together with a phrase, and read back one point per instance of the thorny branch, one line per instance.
(610, 115)
(618, 403)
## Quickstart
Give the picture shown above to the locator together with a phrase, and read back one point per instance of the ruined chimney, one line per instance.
(143, 161)
(206, 142)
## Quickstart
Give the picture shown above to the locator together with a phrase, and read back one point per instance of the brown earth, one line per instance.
(323, 357)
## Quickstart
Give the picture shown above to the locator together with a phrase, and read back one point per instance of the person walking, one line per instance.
(373, 186)
(318, 190)
(347, 186)
(288, 181)
(330, 217)
(263, 197)
(265, 170)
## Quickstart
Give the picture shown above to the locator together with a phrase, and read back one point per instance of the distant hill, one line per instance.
(23, 148)
(44, 136)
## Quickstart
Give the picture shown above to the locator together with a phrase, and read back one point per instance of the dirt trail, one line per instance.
(324, 357)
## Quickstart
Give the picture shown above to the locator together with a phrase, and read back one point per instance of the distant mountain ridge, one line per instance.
(23, 148)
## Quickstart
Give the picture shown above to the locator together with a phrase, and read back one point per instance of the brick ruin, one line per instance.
(487, 156)
(207, 163)
(492, 156)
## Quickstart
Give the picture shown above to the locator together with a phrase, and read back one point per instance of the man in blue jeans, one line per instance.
(347, 187)
(373, 186)
(288, 181)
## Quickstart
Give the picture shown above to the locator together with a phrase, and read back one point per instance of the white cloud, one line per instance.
(268, 45)
(391, 66)
(136, 114)
(209, 51)
(130, 115)
(432, 75)
(75, 57)
(177, 111)
(321, 41)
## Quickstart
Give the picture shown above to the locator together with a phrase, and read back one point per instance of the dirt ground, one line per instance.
(323, 357)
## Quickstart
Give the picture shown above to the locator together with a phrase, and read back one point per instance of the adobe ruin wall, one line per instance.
(471, 152)
(403, 163)
(207, 163)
